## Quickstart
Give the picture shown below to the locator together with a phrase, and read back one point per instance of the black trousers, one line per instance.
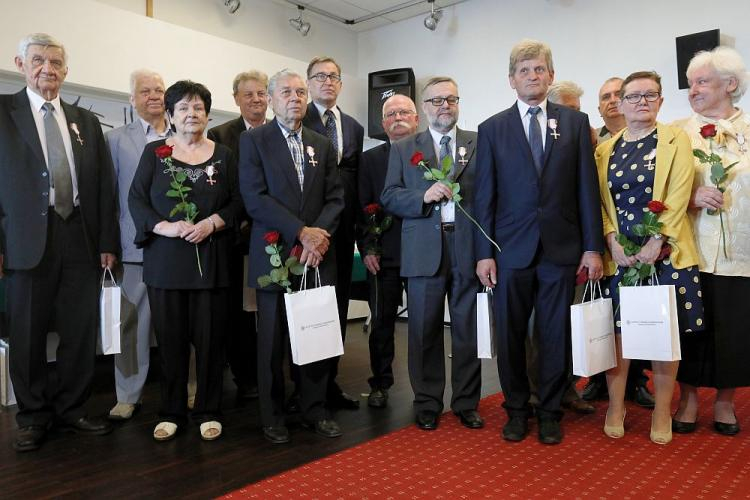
(385, 297)
(242, 337)
(548, 289)
(181, 318)
(344, 242)
(426, 302)
(273, 340)
(60, 294)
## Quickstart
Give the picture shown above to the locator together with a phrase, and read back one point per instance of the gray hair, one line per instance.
(438, 79)
(284, 73)
(529, 49)
(558, 90)
(142, 73)
(728, 64)
(253, 74)
(42, 39)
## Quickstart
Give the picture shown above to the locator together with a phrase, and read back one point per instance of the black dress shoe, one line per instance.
(595, 389)
(726, 429)
(516, 429)
(427, 420)
(342, 401)
(549, 431)
(246, 392)
(88, 425)
(378, 398)
(277, 434)
(683, 427)
(642, 397)
(326, 428)
(470, 418)
(29, 437)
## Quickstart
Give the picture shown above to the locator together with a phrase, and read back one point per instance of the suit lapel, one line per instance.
(279, 146)
(24, 121)
(553, 113)
(516, 127)
(73, 117)
(314, 120)
(137, 136)
(665, 152)
(466, 142)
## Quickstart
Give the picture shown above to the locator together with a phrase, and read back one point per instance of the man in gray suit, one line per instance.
(437, 257)
(126, 145)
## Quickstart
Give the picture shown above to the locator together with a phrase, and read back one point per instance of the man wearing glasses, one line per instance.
(437, 257)
(347, 135)
(381, 255)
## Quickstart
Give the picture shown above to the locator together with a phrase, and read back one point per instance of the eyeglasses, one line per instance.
(403, 112)
(322, 77)
(636, 98)
(438, 101)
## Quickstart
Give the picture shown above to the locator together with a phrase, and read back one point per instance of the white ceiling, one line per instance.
(356, 9)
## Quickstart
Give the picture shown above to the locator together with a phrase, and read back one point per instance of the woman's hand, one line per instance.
(650, 251)
(198, 232)
(172, 229)
(618, 252)
(707, 197)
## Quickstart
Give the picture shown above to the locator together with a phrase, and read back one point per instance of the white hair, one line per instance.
(284, 73)
(42, 39)
(565, 87)
(727, 62)
(412, 106)
(142, 73)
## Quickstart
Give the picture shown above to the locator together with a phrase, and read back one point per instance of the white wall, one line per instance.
(591, 40)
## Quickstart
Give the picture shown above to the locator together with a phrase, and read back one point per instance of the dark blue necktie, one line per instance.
(331, 132)
(535, 138)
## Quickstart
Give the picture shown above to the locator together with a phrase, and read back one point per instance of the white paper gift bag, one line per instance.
(109, 314)
(485, 325)
(648, 320)
(249, 302)
(313, 319)
(592, 334)
(7, 396)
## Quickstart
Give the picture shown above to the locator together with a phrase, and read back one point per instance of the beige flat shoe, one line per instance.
(660, 437)
(210, 430)
(615, 431)
(164, 431)
(122, 411)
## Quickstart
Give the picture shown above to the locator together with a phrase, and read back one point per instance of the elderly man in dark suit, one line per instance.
(126, 145)
(382, 255)
(437, 257)
(249, 89)
(289, 183)
(57, 214)
(537, 196)
(347, 135)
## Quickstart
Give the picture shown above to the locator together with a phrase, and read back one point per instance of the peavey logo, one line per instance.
(386, 94)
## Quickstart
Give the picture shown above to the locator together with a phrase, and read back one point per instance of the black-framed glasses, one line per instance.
(636, 98)
(403, 112)
(438, 101)
(322, 77)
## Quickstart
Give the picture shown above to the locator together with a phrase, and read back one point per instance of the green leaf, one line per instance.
(173, 194)
(292, 260)
(447, 164)
(175, 185)
(428, 176)
(640, 230)
(437, 174)
(457, 198)
(701, 155)
(180, 177)
(645, 270)
(297, 269)
(264, 280)
(456, 187)
(276, 275)
(286, 284)
(174, 212)
(649, 218)
(717, 170)
(270, 250)
(275, 260)
(185, 189)
(726, 169)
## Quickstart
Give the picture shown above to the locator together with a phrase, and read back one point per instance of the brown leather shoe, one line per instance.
(579, 406)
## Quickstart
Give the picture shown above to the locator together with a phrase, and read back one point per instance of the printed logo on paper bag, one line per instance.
(315, 326)
(645, 322)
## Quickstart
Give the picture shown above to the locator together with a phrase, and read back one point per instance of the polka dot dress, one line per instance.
(630, 179)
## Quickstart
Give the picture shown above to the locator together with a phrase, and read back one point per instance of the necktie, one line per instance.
(445, 151)
(331, 129)
(295, 147)
(535, 139)
(58, 163)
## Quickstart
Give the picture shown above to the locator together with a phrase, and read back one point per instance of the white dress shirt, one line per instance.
(448, 208)
(339, 132)
(523, 110)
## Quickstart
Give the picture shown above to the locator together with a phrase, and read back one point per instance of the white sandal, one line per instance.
(164, 431)
(207, 429)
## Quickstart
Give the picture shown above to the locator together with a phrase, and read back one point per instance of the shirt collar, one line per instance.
(436, 136)
(38, 101)
(523, 108)
(287, 131)
(147, 126)
(322, 111)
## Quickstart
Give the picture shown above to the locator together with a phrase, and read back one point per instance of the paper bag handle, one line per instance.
(303, 282)
(593, 291)
(111, 276)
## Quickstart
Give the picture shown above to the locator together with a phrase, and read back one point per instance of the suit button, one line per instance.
(437, 226)
(44, 214)
(437, 209)
(44, 193)
(44, 174)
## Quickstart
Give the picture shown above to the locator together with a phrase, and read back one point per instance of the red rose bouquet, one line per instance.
(649, 226)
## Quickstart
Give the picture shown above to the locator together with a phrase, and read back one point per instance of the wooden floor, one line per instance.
(128, 463)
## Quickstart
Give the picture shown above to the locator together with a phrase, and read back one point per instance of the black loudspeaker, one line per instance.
(381, 86)
(688, 46)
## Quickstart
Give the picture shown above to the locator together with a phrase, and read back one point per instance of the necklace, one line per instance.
(630, 138)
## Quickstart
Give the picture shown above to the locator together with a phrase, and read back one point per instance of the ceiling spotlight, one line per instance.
(232, 5)
(297, 23)
(431, 21)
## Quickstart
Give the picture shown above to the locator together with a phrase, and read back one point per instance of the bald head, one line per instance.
(400, 117)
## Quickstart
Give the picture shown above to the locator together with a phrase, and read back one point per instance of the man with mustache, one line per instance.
(400, 120)
(437, 257)
(609, 100)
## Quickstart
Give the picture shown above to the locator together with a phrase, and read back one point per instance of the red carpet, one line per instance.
(454, 462)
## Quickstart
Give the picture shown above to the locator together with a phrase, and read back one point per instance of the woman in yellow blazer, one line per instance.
(644, 162)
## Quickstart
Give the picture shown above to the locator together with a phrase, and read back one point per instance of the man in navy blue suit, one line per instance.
(537, 196)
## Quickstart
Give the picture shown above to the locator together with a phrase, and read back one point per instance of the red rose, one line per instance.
(708, 130)
(271, 237)
(163, 151)
(656, 206)
(416, 158)
(582, 277)
(372, 209)
(296, 251)
(665, 251)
